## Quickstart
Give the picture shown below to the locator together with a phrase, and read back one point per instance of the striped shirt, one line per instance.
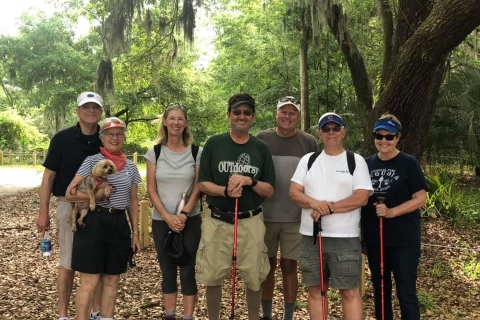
(121, 181)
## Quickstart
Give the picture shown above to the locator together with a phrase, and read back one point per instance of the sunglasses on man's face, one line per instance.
(334, 129)
(246, 113)
(388, 137)
(289, 99)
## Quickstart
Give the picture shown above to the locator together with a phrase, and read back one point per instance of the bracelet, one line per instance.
(185, 213)
(254, 182)
(225, 192)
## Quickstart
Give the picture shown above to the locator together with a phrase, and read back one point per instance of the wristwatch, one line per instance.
(254, 182)
(185, 213)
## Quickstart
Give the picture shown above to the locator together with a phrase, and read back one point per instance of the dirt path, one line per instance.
(14, 180)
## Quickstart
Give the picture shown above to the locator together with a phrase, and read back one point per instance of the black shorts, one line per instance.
(102, 246)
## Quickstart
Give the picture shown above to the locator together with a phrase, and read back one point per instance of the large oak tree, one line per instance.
(418, 36)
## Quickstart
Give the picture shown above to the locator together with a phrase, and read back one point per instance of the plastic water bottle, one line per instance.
(46, 245)
(181, 204)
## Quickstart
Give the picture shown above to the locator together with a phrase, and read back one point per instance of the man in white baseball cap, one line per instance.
(68, 148)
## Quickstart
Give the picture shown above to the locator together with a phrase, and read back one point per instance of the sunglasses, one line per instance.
(334, 129)
(246, 113)
(388, 137)
(289, 99)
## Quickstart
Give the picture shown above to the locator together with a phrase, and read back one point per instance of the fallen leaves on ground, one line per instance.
(447, 285)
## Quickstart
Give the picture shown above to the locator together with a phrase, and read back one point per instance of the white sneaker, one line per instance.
(96, 317)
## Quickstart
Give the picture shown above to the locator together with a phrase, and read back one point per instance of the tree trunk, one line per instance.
(338, 24)
(414, 83)
(304, 88)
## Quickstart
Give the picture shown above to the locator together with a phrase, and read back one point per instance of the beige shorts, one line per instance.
(65, 233)
(214, 255)
(285, 234)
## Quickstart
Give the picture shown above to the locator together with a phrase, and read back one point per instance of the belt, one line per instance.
(229, 217)
(109, 210)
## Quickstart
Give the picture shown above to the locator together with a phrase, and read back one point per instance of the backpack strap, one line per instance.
(157, 148)
(194, 152)
(312, 159)
(350, 161)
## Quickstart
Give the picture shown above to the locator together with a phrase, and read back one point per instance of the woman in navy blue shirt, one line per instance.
(397, 177)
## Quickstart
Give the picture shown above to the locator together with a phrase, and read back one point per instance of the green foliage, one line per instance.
(439, 270)
(16, 134)
(443, 199)
(426, 301)
(471, 268)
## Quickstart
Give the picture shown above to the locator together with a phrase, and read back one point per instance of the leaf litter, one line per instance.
(448, 280)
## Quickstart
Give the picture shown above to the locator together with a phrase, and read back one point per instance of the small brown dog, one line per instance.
(92, 183)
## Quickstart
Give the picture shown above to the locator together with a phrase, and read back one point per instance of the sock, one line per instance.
(267, 308)
(288, 310)
(253, 303)
(101, 318)
(187, 317)
(63, 318)
(170, 315)
(214, 298)
(94, 314)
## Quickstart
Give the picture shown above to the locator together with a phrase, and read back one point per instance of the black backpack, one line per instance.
(350, 161)
(158, 148)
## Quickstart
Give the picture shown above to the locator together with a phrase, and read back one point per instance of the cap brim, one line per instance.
(391, 129)
(286, 103)
(236, 104)
(112, 125)
(87, 100)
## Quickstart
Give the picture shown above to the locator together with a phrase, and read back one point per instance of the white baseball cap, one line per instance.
(288, 100)
(86, 97)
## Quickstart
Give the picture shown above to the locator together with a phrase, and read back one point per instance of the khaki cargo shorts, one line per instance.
(65, 233)
(285, 234)
(214, 255)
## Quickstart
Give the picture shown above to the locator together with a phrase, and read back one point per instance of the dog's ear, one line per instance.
(97, 170)
(114, 167)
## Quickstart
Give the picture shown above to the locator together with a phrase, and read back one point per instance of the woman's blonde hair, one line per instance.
(162, 135)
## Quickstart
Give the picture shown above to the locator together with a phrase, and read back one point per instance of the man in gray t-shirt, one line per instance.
(282, 217)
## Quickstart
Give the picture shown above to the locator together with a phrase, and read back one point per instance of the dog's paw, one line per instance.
(92, 206)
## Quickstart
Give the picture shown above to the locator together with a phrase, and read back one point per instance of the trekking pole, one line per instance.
(234, 258)
(317, 229)
(381, 201)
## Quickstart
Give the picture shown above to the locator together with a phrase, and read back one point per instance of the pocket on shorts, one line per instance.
(349, 264)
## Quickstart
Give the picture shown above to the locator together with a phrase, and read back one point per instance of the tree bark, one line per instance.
(387, 19)
(337, 22)
(412, 89)
(304, 87)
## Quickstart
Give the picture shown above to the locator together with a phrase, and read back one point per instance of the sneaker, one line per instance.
(97, 317)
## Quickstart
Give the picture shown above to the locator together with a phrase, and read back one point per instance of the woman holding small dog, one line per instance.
(170, 173)
(101, 247)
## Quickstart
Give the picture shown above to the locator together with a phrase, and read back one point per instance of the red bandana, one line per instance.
(118, 158)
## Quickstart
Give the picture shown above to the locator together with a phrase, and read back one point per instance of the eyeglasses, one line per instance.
(334, 129)
(246, 113)
(115, 135)
(388, 137)
(289, 99)
(94, 107)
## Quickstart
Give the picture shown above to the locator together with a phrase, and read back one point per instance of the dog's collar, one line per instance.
(99, 180)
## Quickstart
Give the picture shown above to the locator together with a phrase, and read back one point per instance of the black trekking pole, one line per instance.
(381, 201)
(234, 258)
(317, 229)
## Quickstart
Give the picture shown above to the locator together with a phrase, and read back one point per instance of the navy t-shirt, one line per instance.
(68, 148)
(397, 180)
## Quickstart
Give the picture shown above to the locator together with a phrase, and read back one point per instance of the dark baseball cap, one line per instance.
(239, 99)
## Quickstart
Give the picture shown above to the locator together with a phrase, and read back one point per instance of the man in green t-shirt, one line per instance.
(234, 165)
